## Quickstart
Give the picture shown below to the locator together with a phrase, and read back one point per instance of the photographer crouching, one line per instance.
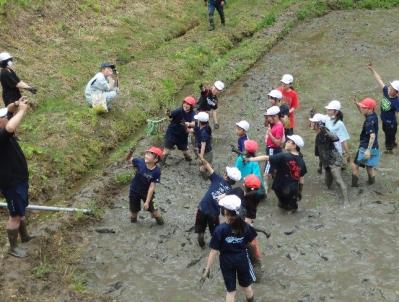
(103, 87)
(14, 175)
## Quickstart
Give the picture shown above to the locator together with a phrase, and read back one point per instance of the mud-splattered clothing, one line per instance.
(325, 148)
(144, 177)
(207, 101)
(176, 134)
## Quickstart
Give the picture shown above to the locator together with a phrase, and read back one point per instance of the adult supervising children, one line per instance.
(212, 5)
(14, 176)
(368, 153)
(230, 240)
(208, 209)
(181, 120)
(142, 187)
(389, 109)
(290, 97)
(208, 101)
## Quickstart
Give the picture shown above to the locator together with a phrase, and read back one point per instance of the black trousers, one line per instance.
(390, 134)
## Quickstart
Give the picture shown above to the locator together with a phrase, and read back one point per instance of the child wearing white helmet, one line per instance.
(230, 240)
(203, 139)
(290, 171)
(242, 128)
(275, 96)
(389, 109)
(290, 97)
(208, 101)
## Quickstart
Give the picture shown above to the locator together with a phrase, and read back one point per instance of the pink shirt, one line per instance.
(278, 132)
(291, 99)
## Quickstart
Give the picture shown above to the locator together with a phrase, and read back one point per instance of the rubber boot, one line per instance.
(328, 178)
(160, 220)
(201, 240)
(355, 181)
(23, 232)
(14, 250)
(133, 218)
(371, 180)
(187, 157)
(211, 23)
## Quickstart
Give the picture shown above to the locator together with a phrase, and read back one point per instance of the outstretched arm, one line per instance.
(207, 165)
(376, 75)
(258, 158)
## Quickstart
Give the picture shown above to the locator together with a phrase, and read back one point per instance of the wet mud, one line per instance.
(324, 252)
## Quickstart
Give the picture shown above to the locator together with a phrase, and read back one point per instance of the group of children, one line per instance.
(235, 240)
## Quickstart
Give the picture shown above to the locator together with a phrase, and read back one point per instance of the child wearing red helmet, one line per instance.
(142, 187)
(181, 120)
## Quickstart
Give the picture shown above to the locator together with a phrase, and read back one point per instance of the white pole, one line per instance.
(53, 209)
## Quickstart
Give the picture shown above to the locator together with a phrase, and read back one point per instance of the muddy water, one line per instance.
(331, 254)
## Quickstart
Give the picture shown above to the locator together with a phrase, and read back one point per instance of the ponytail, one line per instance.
(339, 116)
(236, 222)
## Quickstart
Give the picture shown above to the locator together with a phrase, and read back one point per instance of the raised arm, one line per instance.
(376, 75)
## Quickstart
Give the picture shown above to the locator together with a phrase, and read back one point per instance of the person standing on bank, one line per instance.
(10, 82)
(389, 110)
(14, 176)
(212, 5)
(230, 240)
(290, 97)
(208, 101)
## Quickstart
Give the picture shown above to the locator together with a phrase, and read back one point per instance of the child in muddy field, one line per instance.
(242, 128)
(368, 154)
(208, 101)
(182, 119)
(274, 98)
(330, 158)
(208, 208)
(290, 97)
(290, 171)
(142, 187)
(203, 140)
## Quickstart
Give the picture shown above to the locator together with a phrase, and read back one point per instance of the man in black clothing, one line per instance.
(14, 175)
(212, 5)
(10, 82)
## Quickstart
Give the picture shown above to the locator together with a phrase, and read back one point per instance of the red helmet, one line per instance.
(155, 150)
(190, 100)
(368, 103)
(252, 181)
(251, 146)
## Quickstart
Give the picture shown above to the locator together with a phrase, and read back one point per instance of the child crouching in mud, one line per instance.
(142, 187)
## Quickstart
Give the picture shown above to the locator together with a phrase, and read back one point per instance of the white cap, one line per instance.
(273, 110)
(276, 94)
(334, 105)
(395, 85)
(219, 85)
(233, 173)
(319, 118)
(3, 112)
(297, 140)
(202, 116)
(5, 56)
(243, 125)
(230, 202)
(287, 79)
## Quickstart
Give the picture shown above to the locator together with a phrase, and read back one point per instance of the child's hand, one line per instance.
(146, 206)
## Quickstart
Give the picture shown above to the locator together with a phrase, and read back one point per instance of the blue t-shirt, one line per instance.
(143, 177)
(179, 117)
(370, 126)
(229, 244)
(389, 107)
(339, 129)
(209, 203)
(240, 142)
(203, 134)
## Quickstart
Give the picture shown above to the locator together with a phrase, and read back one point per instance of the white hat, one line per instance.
(5, 56)
(395, 85)
(333, 105)
(287, 79)
(276, 94)
(233, 173)
(230, 202)
(202, 116)
(273, 110)
(3, 112)
(219, 85)
(297, 140)
(319, 118)
(243, 125)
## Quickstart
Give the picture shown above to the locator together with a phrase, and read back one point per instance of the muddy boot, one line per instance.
(23, 232)
(371, 180)
(14, 250)
(187, 157)
(328, 178)
(211, 23)
(201, 240)
(252, 299)
(355, 181)
(160, 220)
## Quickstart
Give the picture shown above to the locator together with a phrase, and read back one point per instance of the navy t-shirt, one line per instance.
(178, 118)
(229, 244)
(209, 203)
(389, 107)
(370, 126)
(241, 141)
(143, 177)
(207, 101)
(203, 134)
(9, 81)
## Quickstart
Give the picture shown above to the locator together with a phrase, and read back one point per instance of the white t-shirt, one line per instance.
(339, 130)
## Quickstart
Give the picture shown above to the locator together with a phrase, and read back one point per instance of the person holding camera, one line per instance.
(14, 176)
(104, 83)
(10, 82)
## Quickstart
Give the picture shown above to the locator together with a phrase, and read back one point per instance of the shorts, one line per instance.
(203, 220)
(269, 169)
(135, 203)
(240, 269)
(372, 162)
(17, 199)
(180, 142)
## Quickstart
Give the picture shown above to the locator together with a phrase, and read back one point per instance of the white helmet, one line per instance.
(297, 140)
(319, 118)
(243, 125)
(287, 79)
(276, 94)
(219, 85)
(395, 85)
(5, 56)
(202, 116)
(333, 105)
(273, 110)
(230, 202)
(233, 173)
